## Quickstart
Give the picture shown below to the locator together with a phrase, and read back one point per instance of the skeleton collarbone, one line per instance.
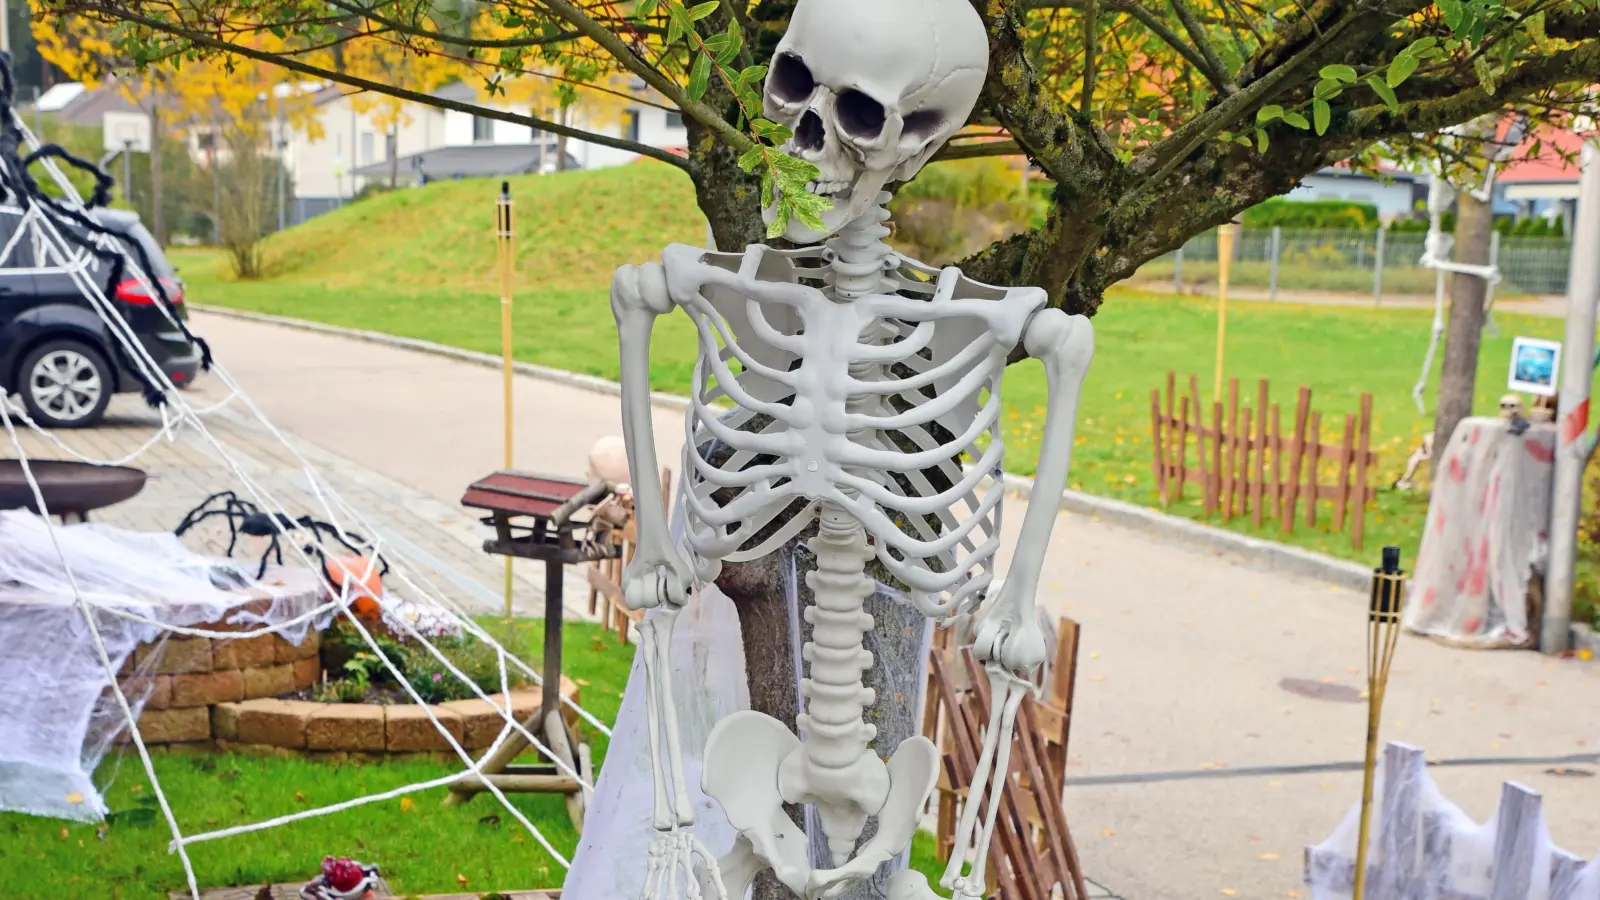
(867, 404)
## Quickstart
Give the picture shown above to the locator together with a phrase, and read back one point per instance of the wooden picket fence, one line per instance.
(1413, 854)
(1245, 465)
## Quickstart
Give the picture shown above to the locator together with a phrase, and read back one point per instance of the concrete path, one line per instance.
(1183, 652)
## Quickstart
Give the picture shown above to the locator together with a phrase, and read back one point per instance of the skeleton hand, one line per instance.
(1009, 632)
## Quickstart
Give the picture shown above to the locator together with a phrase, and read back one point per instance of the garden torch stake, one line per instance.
(1224, 262)
(505, 259)
(1383, 633)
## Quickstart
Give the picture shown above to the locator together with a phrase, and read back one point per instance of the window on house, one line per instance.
(368, 146)
(674, 120)
(482, 130)
(630, 125)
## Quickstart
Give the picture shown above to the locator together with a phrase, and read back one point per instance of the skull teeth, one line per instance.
(826, 188)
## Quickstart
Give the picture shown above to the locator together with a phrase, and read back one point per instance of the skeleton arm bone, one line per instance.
(1009, 630)
(638, 296)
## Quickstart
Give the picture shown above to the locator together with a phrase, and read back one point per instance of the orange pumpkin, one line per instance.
(365, 585)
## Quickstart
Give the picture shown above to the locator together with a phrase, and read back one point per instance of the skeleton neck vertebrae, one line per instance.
(858, 258)
(860, 384)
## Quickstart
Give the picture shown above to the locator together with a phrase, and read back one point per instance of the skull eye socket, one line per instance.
(922, 124)
(791, 81)
(860, 116)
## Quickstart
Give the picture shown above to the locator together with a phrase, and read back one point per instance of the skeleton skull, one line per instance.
(872, 102)
(1510, 406)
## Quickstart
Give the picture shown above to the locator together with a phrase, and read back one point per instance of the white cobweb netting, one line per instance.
(1422, 845)
(88, 595)
(709, 683)
(59, 715)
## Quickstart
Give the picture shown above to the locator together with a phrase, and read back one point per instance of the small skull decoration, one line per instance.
(1510, 407)
(872, 107)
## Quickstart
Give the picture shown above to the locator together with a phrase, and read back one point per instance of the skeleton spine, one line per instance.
(835, 694)
(859, 254)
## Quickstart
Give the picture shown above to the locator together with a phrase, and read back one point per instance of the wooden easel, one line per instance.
(540, 517)
(1036, 853)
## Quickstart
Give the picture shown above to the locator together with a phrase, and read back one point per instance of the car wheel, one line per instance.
(65, 384)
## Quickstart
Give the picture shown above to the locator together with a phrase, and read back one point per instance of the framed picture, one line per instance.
(1534, 364)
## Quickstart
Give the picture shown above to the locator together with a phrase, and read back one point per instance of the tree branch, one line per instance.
(295, 65)
(652, 76)
(977, 150)
(1217, 77)
(1198, 35)
(1576, 64)
(1090, 13)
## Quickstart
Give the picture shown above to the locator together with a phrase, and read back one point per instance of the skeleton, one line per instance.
(858, 382)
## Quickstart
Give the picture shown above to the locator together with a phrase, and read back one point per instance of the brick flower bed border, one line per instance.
(203, 689)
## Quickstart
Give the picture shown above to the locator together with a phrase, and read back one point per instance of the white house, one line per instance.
(434, 144)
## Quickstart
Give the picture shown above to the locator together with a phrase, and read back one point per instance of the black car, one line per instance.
(56, 350)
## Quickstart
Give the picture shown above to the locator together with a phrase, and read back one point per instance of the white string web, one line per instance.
(60, 254)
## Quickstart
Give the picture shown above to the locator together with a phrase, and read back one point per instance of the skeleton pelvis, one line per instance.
(754, 765)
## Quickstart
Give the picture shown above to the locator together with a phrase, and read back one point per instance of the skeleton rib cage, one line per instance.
(865, 399)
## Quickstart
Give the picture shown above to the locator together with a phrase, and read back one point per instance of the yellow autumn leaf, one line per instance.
(407, 804)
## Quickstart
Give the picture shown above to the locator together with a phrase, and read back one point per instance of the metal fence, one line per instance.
(1371, 263)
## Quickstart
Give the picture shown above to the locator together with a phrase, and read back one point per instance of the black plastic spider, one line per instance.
(247, 519)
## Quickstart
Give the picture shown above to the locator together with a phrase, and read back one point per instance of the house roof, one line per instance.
(59, 95)
(470, 161)
(1549, 165)
(88, 108)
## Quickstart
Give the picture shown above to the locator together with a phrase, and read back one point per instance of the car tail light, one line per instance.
(129, 290)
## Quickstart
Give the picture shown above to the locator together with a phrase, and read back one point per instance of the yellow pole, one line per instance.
(1224, 263)
(1383, 634)
(506, 259)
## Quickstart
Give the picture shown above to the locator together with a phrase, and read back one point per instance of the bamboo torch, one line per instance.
(505, 260)
(1383, 633)
(1224, 265)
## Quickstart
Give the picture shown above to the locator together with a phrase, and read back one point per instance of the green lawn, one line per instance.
(420, 846)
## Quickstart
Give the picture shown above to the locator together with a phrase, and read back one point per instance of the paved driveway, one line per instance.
(1183, 652)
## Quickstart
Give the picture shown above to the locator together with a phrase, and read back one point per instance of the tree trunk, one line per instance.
(158, 212)
(1458, 379)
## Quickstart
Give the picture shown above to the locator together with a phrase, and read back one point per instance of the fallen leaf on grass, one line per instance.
(299, 797)
(461, 879)
(581, 681)
(407, 804)
(63, 834)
